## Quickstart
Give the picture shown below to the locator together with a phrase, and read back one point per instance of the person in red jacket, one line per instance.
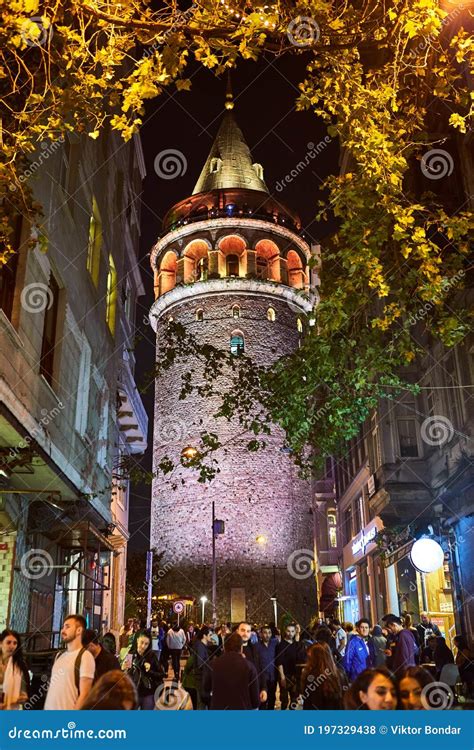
(404, 648)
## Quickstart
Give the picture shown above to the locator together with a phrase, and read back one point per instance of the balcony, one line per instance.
(132, 417)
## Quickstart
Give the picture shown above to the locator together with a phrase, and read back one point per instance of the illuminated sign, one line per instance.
(364, 538)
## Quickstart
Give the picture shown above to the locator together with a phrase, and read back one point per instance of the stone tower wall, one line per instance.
(254, 493)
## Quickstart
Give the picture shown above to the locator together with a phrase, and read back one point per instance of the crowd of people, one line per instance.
(392, 665)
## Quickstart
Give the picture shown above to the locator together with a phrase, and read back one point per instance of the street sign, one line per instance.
(178, 608)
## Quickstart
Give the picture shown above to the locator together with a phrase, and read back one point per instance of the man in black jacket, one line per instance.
(232, 679)
(251, 653)
(104, 661)
(286, 659)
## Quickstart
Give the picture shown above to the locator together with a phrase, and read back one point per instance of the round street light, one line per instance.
(261, 539)
(427, 555)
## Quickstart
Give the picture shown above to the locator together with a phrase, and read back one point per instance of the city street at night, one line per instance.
(237, 372)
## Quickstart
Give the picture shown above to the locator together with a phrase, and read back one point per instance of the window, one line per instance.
(95, 243)
(50, 332)
(8, 272)
(237, 344)
(258, 170)
(202, 269)
(102, 445)
(236, 311)
(358, 521)
(332, 532)
(262, 268)
(271, 314)
(299, 325)
(83, 388)
(375, 453)
(199, 314)
(215, 165)
(232, 265)
(111, 298)
(407, 438)
(347, 526)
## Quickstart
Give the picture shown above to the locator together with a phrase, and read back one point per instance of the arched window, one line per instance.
(299, 325)
(232, 265)
(237, 346)
(200, 314)
(332, 523)
(236, 311)
(271, 314)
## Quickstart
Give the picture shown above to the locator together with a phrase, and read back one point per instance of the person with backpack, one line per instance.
(73, 669)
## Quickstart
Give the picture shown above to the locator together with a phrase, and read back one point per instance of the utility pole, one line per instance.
(214, 568)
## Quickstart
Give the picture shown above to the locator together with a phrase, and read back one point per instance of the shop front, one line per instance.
(419, 579)
(360, 590)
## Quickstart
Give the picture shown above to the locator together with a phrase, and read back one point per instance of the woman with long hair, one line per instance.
(321, 684)
(145, 671)
(114, 691)
(411, 683)
(14, 676)
(373, 690)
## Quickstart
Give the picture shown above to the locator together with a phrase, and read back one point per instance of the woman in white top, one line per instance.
(14, 677)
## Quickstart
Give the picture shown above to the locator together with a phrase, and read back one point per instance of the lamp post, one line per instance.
(203, 601)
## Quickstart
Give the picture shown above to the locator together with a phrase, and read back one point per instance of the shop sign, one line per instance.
(397, 554)
(363, 540)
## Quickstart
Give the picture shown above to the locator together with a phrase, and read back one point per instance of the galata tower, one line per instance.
(232, 267)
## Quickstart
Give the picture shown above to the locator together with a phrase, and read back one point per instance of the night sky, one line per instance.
(277, 135)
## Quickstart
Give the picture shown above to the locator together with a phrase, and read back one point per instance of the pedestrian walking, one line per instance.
(266, 648)
(14, 676)
(357, 657)
(321, 683)
(286, 659)
(104, 661)
(189, 678)
(176, 641)
(377, 647)
(109, 642)
(145, 671)
(373, 689)
(200, 647)
(442, 655)
(114, 691)
(232, 681)
(465, 662)
(402, 649)
(411, 683)
(73, 669)
(250, 651)
(340, 637)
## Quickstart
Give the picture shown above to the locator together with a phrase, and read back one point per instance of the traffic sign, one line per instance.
(178, 608)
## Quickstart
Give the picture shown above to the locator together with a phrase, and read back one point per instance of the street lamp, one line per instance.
(189, 453)
(261, 539)
(203, 601)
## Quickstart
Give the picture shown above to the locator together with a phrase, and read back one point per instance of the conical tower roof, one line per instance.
(229, 164)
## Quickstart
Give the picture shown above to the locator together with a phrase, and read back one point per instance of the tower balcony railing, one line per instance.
(235, 212)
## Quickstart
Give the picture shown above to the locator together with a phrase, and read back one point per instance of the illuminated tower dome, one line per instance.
(231, 266)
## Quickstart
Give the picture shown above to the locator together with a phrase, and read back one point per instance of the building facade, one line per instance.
(69, 408)
(232, 267)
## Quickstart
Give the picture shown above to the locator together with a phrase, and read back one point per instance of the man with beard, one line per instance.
(73, 669)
